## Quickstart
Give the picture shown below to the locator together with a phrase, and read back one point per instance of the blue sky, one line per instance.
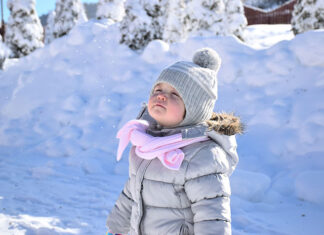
(42, 7)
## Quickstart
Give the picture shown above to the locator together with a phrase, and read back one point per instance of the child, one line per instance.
(181, 158)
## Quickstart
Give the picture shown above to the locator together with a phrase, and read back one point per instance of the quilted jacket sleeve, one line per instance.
(119, 218)
(208, 189)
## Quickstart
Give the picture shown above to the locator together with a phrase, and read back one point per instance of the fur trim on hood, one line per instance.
(225, 124)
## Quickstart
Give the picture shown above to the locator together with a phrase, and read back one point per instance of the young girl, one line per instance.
(181, 158)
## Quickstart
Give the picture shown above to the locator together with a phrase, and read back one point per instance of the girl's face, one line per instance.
(166, 106)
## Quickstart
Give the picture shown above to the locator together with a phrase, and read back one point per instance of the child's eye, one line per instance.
(158, 90)
(175, 94)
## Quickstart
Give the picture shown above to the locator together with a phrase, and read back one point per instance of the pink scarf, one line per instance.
(166, 149)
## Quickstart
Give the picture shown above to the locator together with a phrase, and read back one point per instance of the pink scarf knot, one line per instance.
(166, 149)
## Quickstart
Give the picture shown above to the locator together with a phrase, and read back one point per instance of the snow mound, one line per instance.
(310, 186)
(155, 51)
(33, 225)
(307, 50)
(250, 186)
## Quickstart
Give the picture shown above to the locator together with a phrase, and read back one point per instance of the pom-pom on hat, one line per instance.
(196, 83)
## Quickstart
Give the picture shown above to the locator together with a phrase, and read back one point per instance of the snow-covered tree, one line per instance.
(68, 13)
(157, 11)
(147, 20)
(307, 15)
(235, 18)
(4, 52)
(24, 32)
(175, 28)
(206, 16)
(49, 34)
(111, 9)
(135, 28)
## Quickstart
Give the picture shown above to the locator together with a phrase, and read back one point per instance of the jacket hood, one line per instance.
(225, 124)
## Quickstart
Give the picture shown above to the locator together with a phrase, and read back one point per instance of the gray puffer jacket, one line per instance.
(194, 199)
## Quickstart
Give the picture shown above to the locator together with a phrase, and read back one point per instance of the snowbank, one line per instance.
(310, 186)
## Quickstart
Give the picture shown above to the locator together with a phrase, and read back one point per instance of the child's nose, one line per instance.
(161, 97)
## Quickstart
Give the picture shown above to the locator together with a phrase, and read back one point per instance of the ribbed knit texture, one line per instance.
(196, 85)
(198, 103)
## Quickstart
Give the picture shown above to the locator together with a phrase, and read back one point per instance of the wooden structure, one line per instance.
(280, 15)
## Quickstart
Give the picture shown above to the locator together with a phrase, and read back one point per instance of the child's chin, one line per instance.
(157, 113)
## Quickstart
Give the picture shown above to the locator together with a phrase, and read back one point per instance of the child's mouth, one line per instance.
(159, 105)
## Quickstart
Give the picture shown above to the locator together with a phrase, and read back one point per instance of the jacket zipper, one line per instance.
(142, 207)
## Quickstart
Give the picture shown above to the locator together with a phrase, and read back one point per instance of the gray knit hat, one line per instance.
(196, 83)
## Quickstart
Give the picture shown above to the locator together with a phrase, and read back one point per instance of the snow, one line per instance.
(309, 186)
(48, 32)
(113, 10)
(308, 59)
(62, 105)
(307, 15)
(175, 28)
(68, 13)
(155, 51)
(24, 5)
(35, 225)
(264, 36)
(23, 39)
(250, 186)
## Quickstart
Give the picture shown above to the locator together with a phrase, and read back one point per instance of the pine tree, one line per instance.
(235, 18)
(24, 32)
(49, 34)
(206, 16)
(147, 20)
(4, 52)
(307, 15)
(175, 28)
(157, 11)
(135, 27)
(68, 13)
(111, 9)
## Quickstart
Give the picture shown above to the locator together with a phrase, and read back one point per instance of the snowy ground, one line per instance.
(264, 36)
(61, 106)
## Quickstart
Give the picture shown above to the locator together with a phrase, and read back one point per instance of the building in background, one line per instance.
(280, 15)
